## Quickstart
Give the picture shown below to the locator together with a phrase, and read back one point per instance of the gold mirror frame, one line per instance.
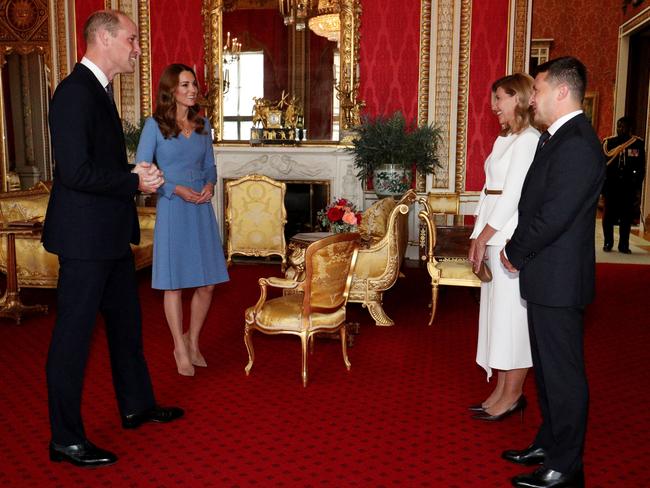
(348, 87)
(23, 49)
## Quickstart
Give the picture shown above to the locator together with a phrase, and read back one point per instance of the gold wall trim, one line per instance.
(518, 36)
(61, 45)
(145, 58)
(212, 13)
(463, 92)
(423, 77)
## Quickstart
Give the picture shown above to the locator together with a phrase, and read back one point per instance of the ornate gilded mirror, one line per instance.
(301, 54)
(25, 89)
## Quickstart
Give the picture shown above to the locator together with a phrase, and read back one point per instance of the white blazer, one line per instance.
(505, 169)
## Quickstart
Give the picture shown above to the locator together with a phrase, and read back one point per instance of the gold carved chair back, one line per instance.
(255, 217)
(445, 203)
(329, 265)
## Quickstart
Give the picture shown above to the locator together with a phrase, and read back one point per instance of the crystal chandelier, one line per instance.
(327, 21)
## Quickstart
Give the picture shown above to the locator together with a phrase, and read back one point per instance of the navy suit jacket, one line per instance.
(91, 212)
(553, 244)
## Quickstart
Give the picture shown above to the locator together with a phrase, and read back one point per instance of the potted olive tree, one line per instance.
(386, 149)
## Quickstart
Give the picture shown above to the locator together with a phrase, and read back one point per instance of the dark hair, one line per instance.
(165, 113)
(517, 84)
(567, 70)
(627, 120)
(108, 19)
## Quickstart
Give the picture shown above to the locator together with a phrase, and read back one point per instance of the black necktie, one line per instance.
(109, 91)
(542, 140)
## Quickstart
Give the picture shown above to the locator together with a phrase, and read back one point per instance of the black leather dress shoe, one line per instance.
(625, 250)
(531, 455)
(607, 247)
(548, 478)
(85, 455)
(155, 414)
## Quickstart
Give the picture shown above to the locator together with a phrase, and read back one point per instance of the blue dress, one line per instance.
(187, 249)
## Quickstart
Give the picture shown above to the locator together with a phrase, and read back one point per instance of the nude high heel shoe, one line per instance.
(197, 358)
(184, 368)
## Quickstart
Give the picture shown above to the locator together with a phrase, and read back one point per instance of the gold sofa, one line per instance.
(384, 227)
(37, 268)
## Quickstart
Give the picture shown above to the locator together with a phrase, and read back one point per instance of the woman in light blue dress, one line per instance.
(187, 248)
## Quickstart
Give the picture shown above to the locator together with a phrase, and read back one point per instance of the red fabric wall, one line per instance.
(389, 56)
(487, 63)
(83, 9)
(176, 37)
(588, 30)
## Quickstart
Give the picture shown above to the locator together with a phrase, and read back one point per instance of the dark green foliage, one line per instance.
(132, 134)
(390, 140)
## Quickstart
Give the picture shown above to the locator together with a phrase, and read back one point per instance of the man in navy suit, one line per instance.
(90, 222)
(553, 248)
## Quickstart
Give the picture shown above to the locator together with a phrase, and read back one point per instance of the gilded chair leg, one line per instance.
(434, 302)
(249, 347)
(343, 332)
(377, 313)
(304, 340)
(312, 339)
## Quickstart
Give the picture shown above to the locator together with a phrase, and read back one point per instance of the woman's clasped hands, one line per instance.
(193, 196)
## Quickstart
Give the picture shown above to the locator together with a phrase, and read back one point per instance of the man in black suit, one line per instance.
(553, 247)
(90, 222)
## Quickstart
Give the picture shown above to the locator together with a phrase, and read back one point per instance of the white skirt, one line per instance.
(503, 341)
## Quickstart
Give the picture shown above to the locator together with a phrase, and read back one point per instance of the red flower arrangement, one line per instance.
(339, 216)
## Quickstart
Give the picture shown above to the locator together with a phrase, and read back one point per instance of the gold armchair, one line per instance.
(452, 272)
(320, 307)
(378, 266)
(255, 217)
(437, 203)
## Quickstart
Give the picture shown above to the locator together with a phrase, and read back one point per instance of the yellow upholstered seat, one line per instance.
(451, 273)
(320, 307)
(255, 217)
(379, 263)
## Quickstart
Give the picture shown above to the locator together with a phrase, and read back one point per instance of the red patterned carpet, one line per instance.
(398, 418)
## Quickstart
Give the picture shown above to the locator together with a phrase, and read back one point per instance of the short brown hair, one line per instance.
(165, 113)
(108, 19)
(519, 84)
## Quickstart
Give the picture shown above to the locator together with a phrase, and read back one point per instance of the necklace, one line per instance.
(185, 126)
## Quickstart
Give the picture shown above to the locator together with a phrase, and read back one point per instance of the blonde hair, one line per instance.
(519, 84)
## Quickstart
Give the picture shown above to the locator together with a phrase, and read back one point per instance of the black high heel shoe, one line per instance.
(518, 406)
(478, 407)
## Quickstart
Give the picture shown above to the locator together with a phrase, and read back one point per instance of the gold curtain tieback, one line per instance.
(493, 192)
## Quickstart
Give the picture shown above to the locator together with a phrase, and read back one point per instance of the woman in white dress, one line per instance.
(503, 342)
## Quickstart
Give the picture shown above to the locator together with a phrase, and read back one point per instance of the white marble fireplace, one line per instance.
(306, 163)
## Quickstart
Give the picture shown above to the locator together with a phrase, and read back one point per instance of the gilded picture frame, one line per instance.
(590, 107)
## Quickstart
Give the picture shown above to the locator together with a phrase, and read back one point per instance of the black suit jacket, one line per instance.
(91, 212)
(553, 244)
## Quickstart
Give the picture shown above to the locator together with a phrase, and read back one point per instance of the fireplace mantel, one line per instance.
(303, 163)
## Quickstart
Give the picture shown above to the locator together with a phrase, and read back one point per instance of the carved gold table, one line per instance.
(10, 304)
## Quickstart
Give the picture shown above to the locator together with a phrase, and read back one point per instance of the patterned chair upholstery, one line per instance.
(318, 307)
(255, 217)
(443, 273)
(37, 268)
(384, 227)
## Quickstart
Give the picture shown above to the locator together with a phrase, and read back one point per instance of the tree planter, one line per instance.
(391, 180)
